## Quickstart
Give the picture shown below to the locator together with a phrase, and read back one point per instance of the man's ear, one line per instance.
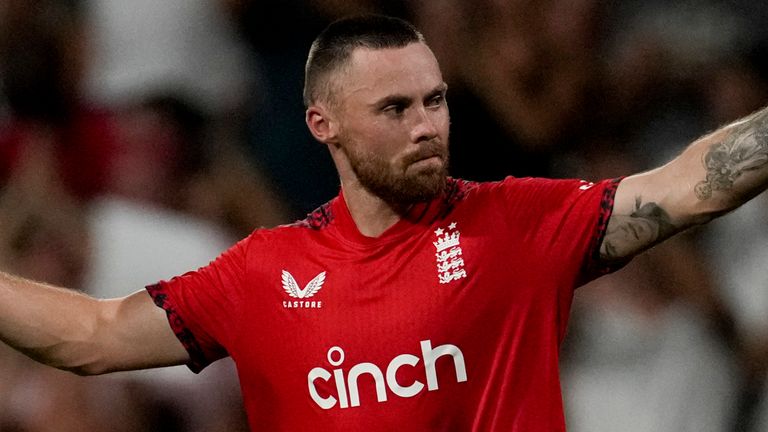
(322, 124)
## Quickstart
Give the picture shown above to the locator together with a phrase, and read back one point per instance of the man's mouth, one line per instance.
(429, 158)
(424, 155)
(430, 155)
(425, 160)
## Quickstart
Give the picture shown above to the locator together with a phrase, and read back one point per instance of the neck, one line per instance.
(371, 214)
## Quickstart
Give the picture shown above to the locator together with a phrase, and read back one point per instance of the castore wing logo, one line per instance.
(292, 288)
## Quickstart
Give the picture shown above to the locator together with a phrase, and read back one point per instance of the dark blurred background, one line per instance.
(140, 139)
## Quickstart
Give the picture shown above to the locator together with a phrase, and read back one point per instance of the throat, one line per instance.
(371, 214)
(374, 218)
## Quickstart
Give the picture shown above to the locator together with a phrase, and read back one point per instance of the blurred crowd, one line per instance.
(139, 139)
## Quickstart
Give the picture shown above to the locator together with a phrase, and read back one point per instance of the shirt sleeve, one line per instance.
(566, 221)
(202, 306)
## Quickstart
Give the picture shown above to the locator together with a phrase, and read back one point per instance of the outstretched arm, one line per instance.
(713, 176)
(71, 331)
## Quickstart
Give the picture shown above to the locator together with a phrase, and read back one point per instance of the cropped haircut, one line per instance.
(333, 47)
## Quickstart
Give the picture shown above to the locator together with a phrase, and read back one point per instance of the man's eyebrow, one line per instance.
(397, 99)
(394, 99)
(439, 89)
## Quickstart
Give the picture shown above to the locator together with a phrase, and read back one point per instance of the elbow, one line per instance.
(77, 363)
(94, 371)
(703, 218)
(64, 359)
(716, 209)
(88, 354)
(85, 354)
(704, 211)
(86, 370)
(713, 205)
(79, 370)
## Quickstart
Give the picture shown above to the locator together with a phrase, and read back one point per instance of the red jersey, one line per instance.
(451, 320)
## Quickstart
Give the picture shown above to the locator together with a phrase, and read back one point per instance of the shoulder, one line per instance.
(459, 189)
(510, 187)
(549, 189)
(316, 221)
(459, 192)
(535, 195)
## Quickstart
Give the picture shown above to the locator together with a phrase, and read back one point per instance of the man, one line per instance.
(411, 301)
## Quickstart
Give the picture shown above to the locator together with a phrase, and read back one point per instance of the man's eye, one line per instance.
(436, 101)
(394, 109)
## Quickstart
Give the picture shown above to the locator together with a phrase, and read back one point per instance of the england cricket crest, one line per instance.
(450, 263)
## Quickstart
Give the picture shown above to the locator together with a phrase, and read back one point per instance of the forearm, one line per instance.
(51, 325)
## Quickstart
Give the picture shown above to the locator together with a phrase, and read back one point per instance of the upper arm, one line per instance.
(714, 175)
(135, 334)
(637, 221)
(653, 206)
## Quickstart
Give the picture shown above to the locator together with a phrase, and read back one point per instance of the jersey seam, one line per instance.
(607, 202)
(197, 359)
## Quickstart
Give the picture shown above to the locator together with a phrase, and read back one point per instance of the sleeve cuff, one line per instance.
(198, 360)
(597, 267)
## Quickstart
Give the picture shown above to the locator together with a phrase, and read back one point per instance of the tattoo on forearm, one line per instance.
(627, 235)
(744, 149)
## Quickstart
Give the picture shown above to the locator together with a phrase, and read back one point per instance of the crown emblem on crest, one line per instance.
(449, 240)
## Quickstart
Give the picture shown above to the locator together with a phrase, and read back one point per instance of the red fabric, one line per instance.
(478, 352)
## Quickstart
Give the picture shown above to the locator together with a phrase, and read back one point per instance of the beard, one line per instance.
(395, 183)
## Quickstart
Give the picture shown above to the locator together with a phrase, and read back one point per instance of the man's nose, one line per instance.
(424, 128)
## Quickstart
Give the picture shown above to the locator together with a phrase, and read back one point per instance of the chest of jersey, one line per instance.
(409, 324)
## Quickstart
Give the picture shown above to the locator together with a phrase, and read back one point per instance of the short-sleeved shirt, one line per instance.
(451, 320)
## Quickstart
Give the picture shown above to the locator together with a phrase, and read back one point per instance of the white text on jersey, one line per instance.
(347, 389)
